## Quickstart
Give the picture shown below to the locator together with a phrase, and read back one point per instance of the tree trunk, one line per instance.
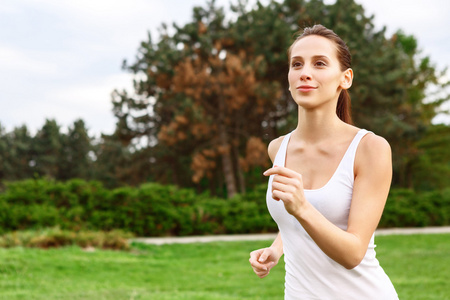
(227, 162)
(240, 173)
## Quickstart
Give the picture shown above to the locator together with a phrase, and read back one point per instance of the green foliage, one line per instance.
(15, 153)
(149, 210)
(156, 210)
(75, 152)
(49, 153)
(431, 169)
(407, 208)
(47, 148)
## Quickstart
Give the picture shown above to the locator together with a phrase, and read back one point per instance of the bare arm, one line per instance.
(263, 260)
(373, 173)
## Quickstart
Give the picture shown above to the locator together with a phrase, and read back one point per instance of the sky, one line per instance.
(61, 59)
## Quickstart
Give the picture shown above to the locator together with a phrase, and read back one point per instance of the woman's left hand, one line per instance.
(287, 186)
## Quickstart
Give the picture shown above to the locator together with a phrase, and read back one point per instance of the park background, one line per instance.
(203, 98)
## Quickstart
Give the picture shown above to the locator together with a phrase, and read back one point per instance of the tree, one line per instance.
(20, 159)
(112, 158)
(393, 102)
(213, 94)
(47, 150)
(5, 167)
(214, 106)
(76, 154)
(431, 169)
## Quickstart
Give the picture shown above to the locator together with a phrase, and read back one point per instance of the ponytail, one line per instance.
(343, 108)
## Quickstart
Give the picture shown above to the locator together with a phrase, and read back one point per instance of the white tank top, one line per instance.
(310, 273)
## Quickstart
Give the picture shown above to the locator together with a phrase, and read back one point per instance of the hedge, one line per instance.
(156, 210)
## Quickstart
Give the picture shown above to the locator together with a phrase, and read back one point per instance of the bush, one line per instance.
(407, 208)
(156, 210)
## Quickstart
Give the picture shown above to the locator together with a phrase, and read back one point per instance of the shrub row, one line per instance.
(407, 208)
(149, 210)
(156, 210)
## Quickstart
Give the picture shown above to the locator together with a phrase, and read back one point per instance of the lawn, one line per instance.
(419, 266)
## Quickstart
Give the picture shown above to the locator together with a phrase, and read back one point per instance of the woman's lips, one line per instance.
(306, 88)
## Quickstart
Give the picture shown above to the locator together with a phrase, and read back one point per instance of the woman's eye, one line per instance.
(296, 64)
(320, 64)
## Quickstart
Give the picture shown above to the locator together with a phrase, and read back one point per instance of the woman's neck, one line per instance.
(317, 126)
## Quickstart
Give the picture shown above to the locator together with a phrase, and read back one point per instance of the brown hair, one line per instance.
(343, 108)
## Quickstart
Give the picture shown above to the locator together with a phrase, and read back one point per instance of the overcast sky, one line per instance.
(61, 59)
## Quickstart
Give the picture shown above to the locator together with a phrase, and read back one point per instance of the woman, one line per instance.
(329, 183)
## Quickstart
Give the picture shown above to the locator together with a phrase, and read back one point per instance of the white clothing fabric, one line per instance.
(310, 273)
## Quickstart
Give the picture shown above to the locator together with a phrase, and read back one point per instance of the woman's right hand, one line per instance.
(263, 260)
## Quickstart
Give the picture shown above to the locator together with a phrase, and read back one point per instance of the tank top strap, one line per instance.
(280, 158)
(348, 160)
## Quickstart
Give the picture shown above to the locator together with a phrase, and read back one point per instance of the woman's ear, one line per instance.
(347, 79)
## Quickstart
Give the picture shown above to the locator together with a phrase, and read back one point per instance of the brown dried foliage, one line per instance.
(256, 154)
(203, 163)
(219, 87)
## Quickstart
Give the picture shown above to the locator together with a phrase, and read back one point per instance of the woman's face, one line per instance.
(315, 76)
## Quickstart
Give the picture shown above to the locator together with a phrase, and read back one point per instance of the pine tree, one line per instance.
(76, 154)
(47, 150)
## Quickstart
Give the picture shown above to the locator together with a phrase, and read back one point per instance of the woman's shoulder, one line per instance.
(370, 143)
(373, 149)
(273, 147)
(374, 143)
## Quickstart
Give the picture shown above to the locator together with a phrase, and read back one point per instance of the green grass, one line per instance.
(418, 265)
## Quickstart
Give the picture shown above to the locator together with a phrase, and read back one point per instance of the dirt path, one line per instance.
(271, 236)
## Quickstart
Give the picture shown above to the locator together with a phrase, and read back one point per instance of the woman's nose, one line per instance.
(305, 74)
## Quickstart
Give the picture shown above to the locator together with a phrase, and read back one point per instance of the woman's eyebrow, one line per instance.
(314, 57)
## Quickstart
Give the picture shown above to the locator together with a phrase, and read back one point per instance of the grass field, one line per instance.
(418, 265)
